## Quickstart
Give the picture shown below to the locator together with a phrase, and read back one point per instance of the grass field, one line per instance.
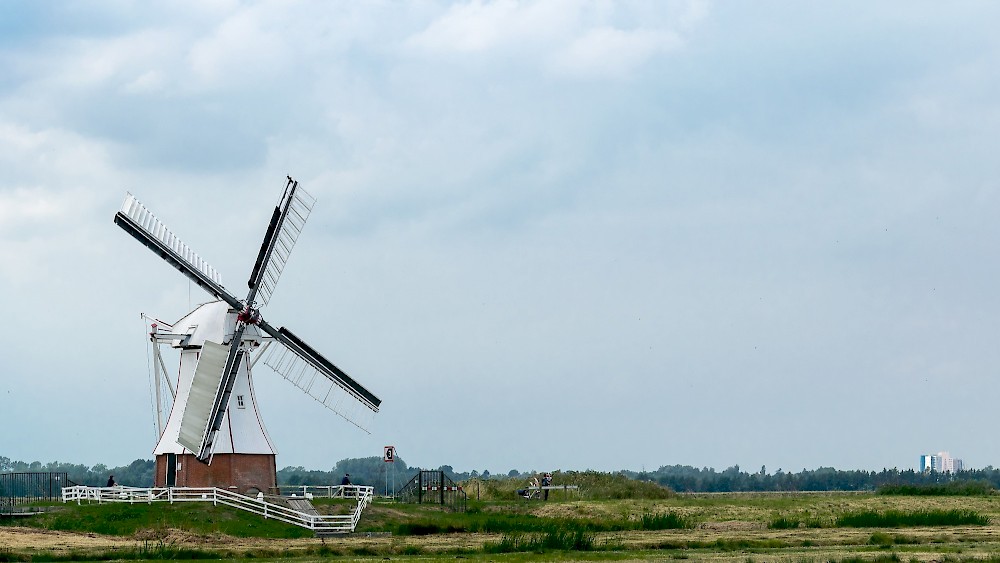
(794, 527)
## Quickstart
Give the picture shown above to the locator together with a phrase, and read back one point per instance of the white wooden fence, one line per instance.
(321, 524)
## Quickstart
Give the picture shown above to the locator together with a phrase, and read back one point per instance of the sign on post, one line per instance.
(390, 454)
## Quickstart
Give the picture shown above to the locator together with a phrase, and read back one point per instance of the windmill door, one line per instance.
(171, 470)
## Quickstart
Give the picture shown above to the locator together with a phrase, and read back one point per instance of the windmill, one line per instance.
(209, 439)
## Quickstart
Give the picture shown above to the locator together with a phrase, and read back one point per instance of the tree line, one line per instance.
(385, 477)
(687, 479)
(139, 473)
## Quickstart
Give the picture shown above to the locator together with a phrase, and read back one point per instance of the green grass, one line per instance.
(697, 527)
(496, 522)
(127, 519)
(955, 488)
(783, 523)
(663, 521)
(898, 518)
(554, 540)
(885, 540)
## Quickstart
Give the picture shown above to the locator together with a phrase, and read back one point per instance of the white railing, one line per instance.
(318, 523)
(333, 491)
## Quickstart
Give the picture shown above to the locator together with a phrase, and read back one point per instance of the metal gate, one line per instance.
(25, 488)
(434, 487)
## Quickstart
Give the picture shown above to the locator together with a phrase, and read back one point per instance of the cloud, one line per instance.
(500, 25)
(592, 39)
(613, 52)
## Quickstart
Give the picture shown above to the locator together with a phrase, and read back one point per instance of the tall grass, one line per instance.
(783, 523)
(954, 488)
(447, 523)
(898, 519)
(554, 540)
(664, 521)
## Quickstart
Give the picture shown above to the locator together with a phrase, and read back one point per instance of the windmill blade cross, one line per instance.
(218, 365)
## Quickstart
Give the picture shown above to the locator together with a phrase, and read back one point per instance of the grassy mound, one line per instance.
(153, 520)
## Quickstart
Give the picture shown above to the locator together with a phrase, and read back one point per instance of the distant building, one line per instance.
(941, 462)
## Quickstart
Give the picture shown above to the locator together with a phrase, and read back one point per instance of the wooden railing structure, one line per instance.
(321, 524)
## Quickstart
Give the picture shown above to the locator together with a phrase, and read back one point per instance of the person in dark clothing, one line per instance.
(346, 480)
(546, 481)
(111, 481)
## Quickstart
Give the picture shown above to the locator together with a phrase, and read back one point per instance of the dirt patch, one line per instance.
(33, 539)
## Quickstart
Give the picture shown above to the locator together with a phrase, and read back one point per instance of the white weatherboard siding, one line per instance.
(242, 430)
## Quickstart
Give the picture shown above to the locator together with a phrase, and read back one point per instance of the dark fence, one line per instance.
(433, 487)
(25, 488)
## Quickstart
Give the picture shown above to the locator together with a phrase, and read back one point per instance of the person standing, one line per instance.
(546, 481)
(346, 480)
(111, 481)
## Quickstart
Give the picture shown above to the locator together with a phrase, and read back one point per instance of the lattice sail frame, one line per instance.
(330, 393)
(145, 219)
(299, 208)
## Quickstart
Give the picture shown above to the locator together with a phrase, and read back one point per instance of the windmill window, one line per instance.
(239, 401)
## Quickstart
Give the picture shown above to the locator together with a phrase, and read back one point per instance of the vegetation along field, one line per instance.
(610, 518)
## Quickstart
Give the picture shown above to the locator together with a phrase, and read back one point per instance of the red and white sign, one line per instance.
(390, 454)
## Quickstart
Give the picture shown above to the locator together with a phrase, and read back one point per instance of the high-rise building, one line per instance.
(941, 462)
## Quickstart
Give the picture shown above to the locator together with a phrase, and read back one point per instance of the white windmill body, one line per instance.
(244, 456)
(214, 436)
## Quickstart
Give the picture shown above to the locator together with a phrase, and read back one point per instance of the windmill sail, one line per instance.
(214, 386)
(298, 363)
(139, 222)
(286, 224)
(201, 399)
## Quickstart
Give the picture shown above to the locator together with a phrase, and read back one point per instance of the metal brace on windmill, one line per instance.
(209, 440)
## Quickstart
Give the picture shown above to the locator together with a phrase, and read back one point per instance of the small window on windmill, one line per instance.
(239, 402)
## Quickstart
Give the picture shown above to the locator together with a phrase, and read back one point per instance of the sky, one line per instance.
(549, 235)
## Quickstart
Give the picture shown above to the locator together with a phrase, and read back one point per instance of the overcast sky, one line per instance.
(552, 235)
